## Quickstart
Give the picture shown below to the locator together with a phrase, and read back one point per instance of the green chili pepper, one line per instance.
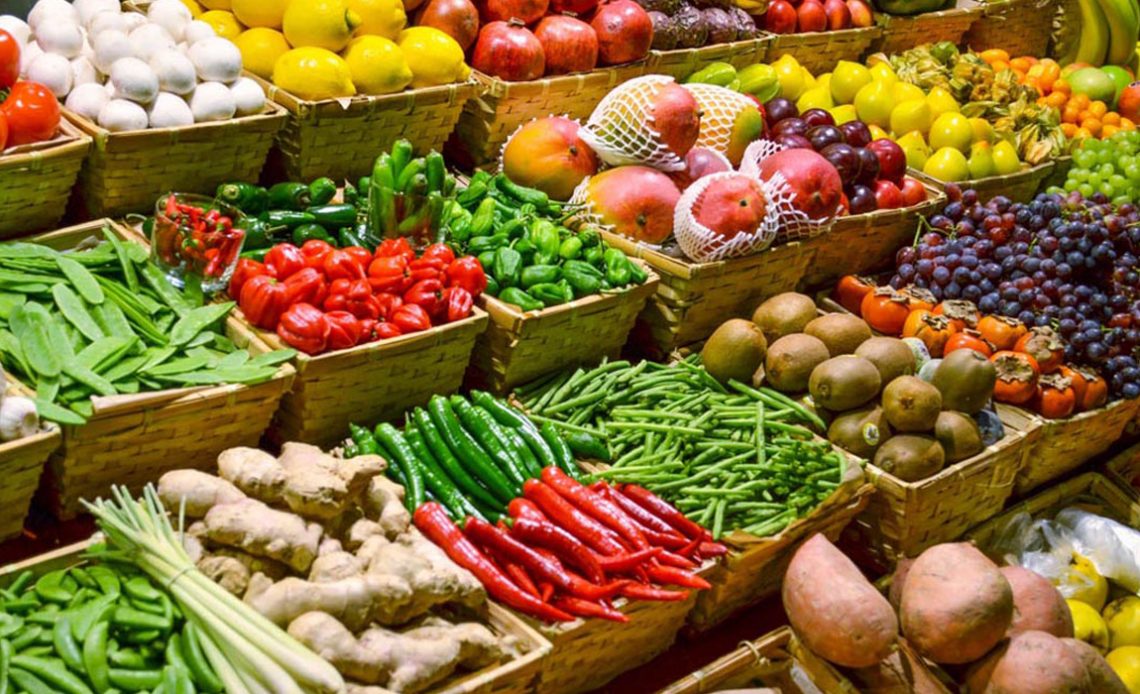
(617, 267)
(289, 196)
(413, 179)
(521, 194)
(334, 215)
(525, 249)
(290, 219)
(307, 232)
(258, 234)
(352, 195)
(468, 451)
(347, 236)
(393, 442)
(435, 171)
(475, 191)
(492, 287)
(540, 274)
(637, 273)
(589, 237)
(518, 297)
(514, 228)
(507, 267)
(365, 442)
(247, 197)
(401, 157)
(321, 191)
(552, 294)
(483, 218)
(363, 185)
(583, 278)
(571, 248)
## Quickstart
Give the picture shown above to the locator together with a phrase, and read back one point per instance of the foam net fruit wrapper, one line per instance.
(703, 244)
(720, 108)
(621, 130)
(793, 225)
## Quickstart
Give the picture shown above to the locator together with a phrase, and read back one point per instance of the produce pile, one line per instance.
(29, 112)
(786, 17)
(1109, 168)
(103, 320)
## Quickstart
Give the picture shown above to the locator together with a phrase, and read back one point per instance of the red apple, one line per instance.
(913, 192)
(780, 17)
(861, 15)
(838, 15)
(811, 16)
(1128, 105)
(887, 195)
(892, 159)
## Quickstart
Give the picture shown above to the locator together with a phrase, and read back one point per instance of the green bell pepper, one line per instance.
(258, 234)
(593, 255)
(514, 228)
(492, 287)
(589, 238)
(540, 274)
(617, 267)
(258, 255)
(247, 197)
(516, 296)
(334, 215)
(526, 249)
(487, 260)
(289, 196)
(570, 249)
(552, 294)
(480, 244)
(483, 218)
(507, 267)
(308, 232)
(321, 191)
(637, 273)
(544, 235)
(583, 278)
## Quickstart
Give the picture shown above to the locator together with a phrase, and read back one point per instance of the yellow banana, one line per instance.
(1093, 43)
(1123, 21)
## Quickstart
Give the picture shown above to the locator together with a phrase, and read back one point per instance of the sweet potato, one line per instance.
(898, 580)
(902, 672)
(1035, 662)
(1102, 678)
(956, 604)
(835, 611)
(1037, 605)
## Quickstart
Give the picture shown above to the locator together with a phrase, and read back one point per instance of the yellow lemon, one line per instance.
(319, 23)
(823, 81)
(941, 101)
(809, 79)
(911, 115)
(195, 8)
(433, 56)
(1006, 160)
(882, 72)
(313, 74)
(983, 131)
(1123, 619)
(816, 97)
(377, 65)
(223, 23)
(1084, 582)
(915, 148)
(947, 164)
(790, 75)
(843, 114)
(1088, 625)
(981, 161)
(380, 17)
(1125, 662)
(905, 91)
(873, 103)
(951, 130)
(260, 48)
(260, 13)
(847, 79)
(216, 4)
(878, 133)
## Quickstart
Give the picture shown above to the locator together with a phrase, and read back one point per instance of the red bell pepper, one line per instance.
(388, 304)
(315, 252)
(305, 327)
(361, 254)
(354, 296)
(411, 318)
(423, 269)
(340, 264)
(385, 330)
(345, 330)
(307, 286)
(428, 295)
(459, 303)
(389, 274)
(399, 246)
(595, 505)
(285, 259)
(439, 251)
(246, 270)
(467, 272)
(263, 299)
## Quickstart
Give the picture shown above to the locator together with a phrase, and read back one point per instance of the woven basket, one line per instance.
(21, 464)
(1060, 172)
(866, 243)
(1063, 445)
(904, 32)
(1018, 187)
(340, 138)
(492, 116)
(366, 384)
(692, 299)
(1022, 27)
(521, 346)
(821, 51)
(681, 63)
(1124, 469)
(128, 171)
(133, 439)
(36, 181)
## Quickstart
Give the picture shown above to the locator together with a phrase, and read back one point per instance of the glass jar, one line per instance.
(196, 238)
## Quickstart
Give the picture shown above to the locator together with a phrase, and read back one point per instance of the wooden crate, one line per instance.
(1018, 187)
(903, 32)
(683, 62)
(36, 181)
(820, 51)
(692, 298)
(1124, 469)
(128, 171)
(340, 138)
(1021, 27)
(133, 439)
(520, 346)
(21, 464)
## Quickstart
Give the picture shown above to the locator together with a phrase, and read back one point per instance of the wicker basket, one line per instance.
(36, 181)
(21, 464)
(901, 32)
(128, 171)
(866, 243)
(340, 138)
(492, 116)
(681, 63)
(1063, 445)
(1021, 27)
(1124, 469)
(134, 439)
(369, 383)
(521, 346)
(821, 51)
(1018, 187)
(692, 299)
(1060, 172)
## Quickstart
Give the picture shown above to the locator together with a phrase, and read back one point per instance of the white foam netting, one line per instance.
(793, 225)
(702, 244)
(720, 108)
(621, 129)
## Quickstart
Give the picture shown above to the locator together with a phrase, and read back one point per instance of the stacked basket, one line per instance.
(36, 181)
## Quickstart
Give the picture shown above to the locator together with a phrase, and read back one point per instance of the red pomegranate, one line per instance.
(569, 44)
(578, 7)
(732, 205)
(526, 11)
(548, 154)
(699, 162)
(509, 51)
(459, 19)
(636, 201)
(625, 32)
(816, 186)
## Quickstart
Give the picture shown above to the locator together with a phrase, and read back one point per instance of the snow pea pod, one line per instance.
(80, 278)
(197, 320)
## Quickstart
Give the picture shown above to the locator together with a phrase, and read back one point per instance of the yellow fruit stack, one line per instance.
(1113, 629)
(327, 49)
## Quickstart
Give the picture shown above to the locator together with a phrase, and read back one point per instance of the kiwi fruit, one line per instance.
(959, 435)
(734, 351)
(911, 404)
(841, 332)
(860, 431)
(791, 360)
(844, 383)
(966, 380)
(784, 314)
(910, 457)
(890, 355)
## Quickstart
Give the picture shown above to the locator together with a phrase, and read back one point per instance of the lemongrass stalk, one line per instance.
(223, 668)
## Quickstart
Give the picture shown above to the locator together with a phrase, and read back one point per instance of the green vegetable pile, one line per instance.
(732, 457)
(105, 321)
(98, 628)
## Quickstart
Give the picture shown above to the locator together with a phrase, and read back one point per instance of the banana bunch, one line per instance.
(1109, 31)
(752, 7)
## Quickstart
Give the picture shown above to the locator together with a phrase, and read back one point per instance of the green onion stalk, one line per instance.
(247, 651)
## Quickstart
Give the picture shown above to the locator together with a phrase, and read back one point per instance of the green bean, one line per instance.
(65, 644)
(27, 637)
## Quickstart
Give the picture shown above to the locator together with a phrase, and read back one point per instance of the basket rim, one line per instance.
(70, 140)
(971, 7)
(829, 36)
(101, 136)
(681, 56)
(688, 268)
(305, 108)
(496, 305)
(1028, 172)
(611, 74)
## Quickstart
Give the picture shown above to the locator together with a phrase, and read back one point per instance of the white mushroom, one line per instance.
(82, 72)
(150, 39)
(248, 96)
(51, 10)
(119, 115)
(88, 9)
(216, 60)
(175, 71)
(105, 21)
(198, 30)
(169, 111)
(134, 80)
(212, 101)
(88, 100)
(18, 418)
(53, 71)
(62, 38)
(17, 27)
(111, 46)
(29, 53)
(171, 15)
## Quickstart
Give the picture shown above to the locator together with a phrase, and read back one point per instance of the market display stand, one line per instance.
(36, 181)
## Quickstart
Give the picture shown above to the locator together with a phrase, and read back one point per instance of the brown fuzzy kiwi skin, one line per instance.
(784, 314)
(841, 332)
(791, 360)
(860, 432)
(844, 383)
(910, 457)
(890, 355)
(911, 404)
(959, 435)
(734, 351)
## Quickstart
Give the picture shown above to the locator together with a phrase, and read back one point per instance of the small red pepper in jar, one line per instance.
(467, 272)
(345, 330)
(304, 327)
(285, 259)
(263, 299)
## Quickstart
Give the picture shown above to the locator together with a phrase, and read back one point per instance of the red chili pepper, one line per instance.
(547, 591)
(362, 255)
(573, 521)
(499, 542)
(285, 259)
(388, 304)
(689, 550)
(345, 330)
(467, 272)
(663, 510)
(624, 563)
(564, 545)
(712, 549)
(315, 252)
(395, 247)
(647, 520)
(521, 578)
(459, 303)
(389, 274)
(636, 591)
(307, 286)
(263, 299)
(304, 327)
(340, 264)
(671, 575)
(432, 520)
(676, 560)
(428, 295)
(586, 608)
(245, 270)
(354, 296)
(440, 252)
(524, 508)
(385, 330)
(596, 505)
(411, 318)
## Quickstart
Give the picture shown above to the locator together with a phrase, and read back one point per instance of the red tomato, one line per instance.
(9, 61)
(32, 112)
(3, 132)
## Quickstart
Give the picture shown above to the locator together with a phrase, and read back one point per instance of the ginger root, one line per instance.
(356, 601)
(253, 527)
(200, 490)
(334, 566)
(227, 572)
(431, 584)
(384, 503)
